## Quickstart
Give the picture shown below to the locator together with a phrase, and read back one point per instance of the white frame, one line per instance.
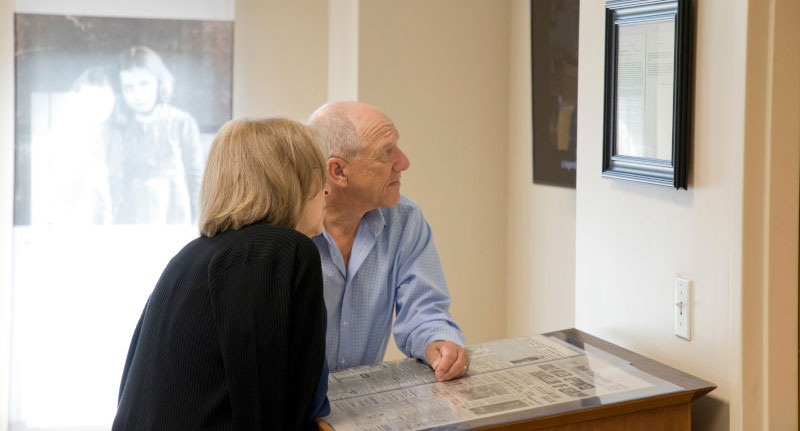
(6, 196)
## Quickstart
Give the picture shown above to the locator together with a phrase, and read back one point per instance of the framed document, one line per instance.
(646, 118)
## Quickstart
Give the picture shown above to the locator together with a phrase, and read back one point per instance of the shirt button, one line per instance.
(344, 323)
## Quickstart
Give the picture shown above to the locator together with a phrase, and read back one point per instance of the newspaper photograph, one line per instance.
(545, 386)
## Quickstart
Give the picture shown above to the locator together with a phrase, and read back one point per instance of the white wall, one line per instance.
(439, 70)
(541, 219)
(633, 239)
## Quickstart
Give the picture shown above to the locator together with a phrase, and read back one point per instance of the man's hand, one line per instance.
(448, 359)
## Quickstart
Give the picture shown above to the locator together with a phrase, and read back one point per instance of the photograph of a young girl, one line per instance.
(135, 101)
(154, 154)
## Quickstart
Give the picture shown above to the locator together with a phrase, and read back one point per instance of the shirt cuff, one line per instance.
(435, 331)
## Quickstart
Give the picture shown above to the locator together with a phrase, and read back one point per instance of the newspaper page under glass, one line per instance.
(492, 356)
(508, 380)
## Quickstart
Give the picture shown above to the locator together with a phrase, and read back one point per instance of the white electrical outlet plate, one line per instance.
(683, 308)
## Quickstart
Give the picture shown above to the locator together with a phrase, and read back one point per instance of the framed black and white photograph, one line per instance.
(133, 101)
(646, 117)
(554, 68)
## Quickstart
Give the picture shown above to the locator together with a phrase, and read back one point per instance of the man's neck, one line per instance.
(342, 217)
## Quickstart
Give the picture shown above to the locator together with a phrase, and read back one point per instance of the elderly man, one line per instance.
(377, 251)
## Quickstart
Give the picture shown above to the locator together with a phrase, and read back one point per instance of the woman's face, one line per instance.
(313, 213)
(139, 89)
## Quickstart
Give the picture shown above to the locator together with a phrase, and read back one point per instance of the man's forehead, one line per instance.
(381, 129)
(371, 124)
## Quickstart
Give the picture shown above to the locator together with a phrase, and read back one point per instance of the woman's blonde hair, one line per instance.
(259, 170)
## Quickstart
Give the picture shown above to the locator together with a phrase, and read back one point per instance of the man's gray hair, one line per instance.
(331, 123)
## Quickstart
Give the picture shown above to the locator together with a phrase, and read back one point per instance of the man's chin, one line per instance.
(392, 200)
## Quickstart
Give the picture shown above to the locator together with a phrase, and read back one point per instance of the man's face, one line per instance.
(375, 173)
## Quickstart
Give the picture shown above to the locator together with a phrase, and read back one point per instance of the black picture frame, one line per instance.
(642, 139)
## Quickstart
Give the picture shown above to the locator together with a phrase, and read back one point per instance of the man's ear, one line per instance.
(337, 171)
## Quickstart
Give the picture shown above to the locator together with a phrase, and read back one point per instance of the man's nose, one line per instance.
(401, 164)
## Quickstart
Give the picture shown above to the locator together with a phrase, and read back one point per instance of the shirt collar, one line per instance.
(374, 220)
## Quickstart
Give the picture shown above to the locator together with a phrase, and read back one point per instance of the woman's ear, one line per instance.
(337, 172)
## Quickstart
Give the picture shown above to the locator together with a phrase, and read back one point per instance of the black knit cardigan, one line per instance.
(232, 337)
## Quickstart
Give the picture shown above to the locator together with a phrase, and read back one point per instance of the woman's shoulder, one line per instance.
(274, 232)
(261, 241)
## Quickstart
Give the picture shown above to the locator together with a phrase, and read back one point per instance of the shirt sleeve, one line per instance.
(321, 406)
(423, 300)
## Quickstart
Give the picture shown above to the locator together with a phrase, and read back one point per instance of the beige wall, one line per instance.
(541, 219)
(771, 197)
(440, 69)
(280, 57)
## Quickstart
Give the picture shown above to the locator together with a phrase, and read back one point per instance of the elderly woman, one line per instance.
(233, 335)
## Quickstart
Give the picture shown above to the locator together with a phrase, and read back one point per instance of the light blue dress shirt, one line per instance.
(393, 266)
